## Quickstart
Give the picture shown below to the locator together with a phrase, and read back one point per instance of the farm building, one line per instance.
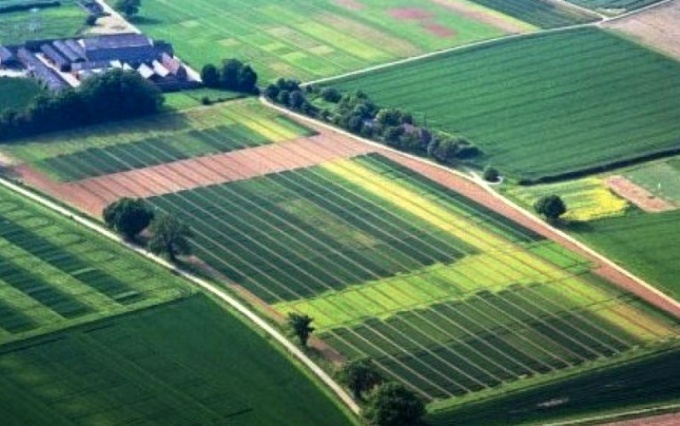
(7, 58)
(73, 60)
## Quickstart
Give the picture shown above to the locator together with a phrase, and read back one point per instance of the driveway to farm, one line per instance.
(214, 290)
(477, 189)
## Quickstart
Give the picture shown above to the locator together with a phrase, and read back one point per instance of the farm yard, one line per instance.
(17, 92)
(155, 367)
(312, 40)
(545, 105)
(66, 20)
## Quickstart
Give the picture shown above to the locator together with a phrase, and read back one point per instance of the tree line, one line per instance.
(232, 75)
(111, 96)
(357, 113)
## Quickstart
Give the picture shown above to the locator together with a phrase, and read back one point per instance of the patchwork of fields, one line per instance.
(54, 275)
(66, 20)
(309, 40)
(441, 293)
(544, 105)
(662, 179)
(613, 5)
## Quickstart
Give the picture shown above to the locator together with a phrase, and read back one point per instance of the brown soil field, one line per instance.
(92, 195)
(638, 195)
(660, 420)
(657, 27)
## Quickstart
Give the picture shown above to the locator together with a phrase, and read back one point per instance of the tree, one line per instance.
(551, 207)
(91, 20)
(300, 325)
(128, 7)
(359, 376)
(170, 236)
(229, 74)
(393, 405)
(210, 75)
(491, 174)
(128, 216)
(246, 79)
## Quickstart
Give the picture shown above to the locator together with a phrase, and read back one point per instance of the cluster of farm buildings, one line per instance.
(65, 63)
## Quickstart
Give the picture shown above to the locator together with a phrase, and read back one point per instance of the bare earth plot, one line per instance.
(657, 27)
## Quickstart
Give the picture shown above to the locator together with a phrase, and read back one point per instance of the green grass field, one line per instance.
(64, 21)
(116, 147)
(542, 13)
(441, 293)
(17, 92)
(646, 244)
(182, 363)
(542, 105)
(306, 40)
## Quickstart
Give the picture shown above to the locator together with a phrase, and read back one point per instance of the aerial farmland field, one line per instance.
(92, 334)
(613, 5)
(543, 105)
(311, 40)
(438, 291)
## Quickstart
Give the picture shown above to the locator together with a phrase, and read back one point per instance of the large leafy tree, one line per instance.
(128, 7)
(551, 207)
(170, 236)
(128, 216)
(359, 376)
(301, 327)
(393, 405)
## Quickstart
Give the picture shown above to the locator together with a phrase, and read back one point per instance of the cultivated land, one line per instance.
(647, 244)
(55, 275)
(661, 178)
(545, 105)
(66, 20)
(542, 13)
(655, 27)
(119, 147)
(309, 40)
(182, 363)
(17, 92)
(92, 334)
(440, 292)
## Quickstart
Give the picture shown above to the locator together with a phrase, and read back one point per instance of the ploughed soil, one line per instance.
(638, 195)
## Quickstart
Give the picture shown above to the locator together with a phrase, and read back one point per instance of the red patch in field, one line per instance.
(440, 30)
(410, 14)
(350, 4)
(638, 195)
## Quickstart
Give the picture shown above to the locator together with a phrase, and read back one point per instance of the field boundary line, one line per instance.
(624, 415)
(211, 288)
(479, 182)
(635, 12)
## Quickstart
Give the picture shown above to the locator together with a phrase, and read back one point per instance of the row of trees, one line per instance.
(114, 95)
(359, 114)
(168, 235)
(232, 75)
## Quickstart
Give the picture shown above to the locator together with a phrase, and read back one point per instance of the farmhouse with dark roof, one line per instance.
(69, 61)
